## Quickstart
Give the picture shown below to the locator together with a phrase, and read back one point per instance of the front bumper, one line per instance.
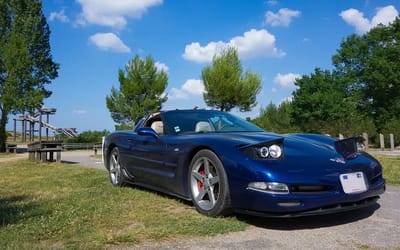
(297, 205)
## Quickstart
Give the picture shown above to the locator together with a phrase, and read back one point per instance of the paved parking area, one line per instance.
(83, 158)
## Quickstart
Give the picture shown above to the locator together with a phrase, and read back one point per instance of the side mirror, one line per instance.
(147, 132)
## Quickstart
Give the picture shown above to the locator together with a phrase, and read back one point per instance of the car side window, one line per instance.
(154, 122)
(158, 126)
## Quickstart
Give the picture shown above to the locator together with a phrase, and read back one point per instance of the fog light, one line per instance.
(289, 203)
(269, 187)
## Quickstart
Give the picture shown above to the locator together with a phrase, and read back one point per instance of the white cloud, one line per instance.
(282, 18)
(161, 67)
(113, 13)
(195, 52)
(191, 88)
(356, 18)
(60, 16)
(253, 43)
(109, 42)
(286, 80)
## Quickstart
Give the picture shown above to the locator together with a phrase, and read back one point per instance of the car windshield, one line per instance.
(204, 121)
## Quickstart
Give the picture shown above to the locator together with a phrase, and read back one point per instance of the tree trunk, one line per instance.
(3, 133)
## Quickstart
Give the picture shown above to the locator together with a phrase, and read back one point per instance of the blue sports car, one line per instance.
(224, 164)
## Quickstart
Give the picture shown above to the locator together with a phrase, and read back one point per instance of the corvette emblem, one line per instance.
(338, 160)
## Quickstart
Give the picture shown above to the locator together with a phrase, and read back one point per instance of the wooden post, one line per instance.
(47, 129)
(382, 141)
(23, 134)
(15, 130)
(366, 143)
(40, 127)
(391, 136)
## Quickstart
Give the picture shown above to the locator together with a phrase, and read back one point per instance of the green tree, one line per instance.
(226, 86)
(276, 118)
(323, 103)
(26, 64)
(141, 91)
(370, 63)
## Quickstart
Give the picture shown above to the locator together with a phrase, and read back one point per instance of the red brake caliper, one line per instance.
(199, 183)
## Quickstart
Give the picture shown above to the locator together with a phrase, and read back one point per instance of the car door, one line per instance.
(146, 157)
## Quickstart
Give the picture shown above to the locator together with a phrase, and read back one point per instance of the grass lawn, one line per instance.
(391, 168)
(66, 206)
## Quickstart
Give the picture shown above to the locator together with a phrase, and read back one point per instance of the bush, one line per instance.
(89, 137)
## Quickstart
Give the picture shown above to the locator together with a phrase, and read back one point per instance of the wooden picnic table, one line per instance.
(43, 151)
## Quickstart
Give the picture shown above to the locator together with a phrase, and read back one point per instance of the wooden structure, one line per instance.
(11, 148)
(28, 125)
(43, 151)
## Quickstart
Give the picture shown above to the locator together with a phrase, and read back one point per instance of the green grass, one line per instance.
(4, 155)
(391, 168)
(66, 206)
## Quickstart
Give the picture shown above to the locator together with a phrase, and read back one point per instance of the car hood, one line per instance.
(316, 156)
(304, 142)
(297, 146)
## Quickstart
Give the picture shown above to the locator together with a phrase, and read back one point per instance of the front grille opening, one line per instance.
(309, 188)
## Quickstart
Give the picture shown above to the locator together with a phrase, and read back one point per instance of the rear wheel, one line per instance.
(209, 184)
(115, 172)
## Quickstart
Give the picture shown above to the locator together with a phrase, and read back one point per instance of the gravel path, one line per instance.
(376, 227)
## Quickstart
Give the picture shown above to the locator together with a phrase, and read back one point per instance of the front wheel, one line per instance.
(115, 171)
(209, 184)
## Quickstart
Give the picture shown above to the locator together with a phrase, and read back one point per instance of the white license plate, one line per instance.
(353, 182)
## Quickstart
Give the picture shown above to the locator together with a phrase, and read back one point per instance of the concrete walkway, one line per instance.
(82, 157)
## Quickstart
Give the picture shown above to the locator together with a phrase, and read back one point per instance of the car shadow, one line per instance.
(309, 222)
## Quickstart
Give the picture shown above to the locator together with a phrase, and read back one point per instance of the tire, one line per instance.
(208, 184)
(114, 168)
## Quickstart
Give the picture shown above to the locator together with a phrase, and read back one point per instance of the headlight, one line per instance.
(264, 152)
(360, 147)
(275, 151)
(271, 150)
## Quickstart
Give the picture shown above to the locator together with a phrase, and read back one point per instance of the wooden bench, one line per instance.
(11, 148)
(43, 151)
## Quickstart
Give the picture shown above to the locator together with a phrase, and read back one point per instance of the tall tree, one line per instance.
(323, 103)
(370, 63)
(141, 91)
(26, 64)
(225, 84)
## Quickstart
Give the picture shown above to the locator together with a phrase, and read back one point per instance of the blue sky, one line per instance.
(280, 40)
